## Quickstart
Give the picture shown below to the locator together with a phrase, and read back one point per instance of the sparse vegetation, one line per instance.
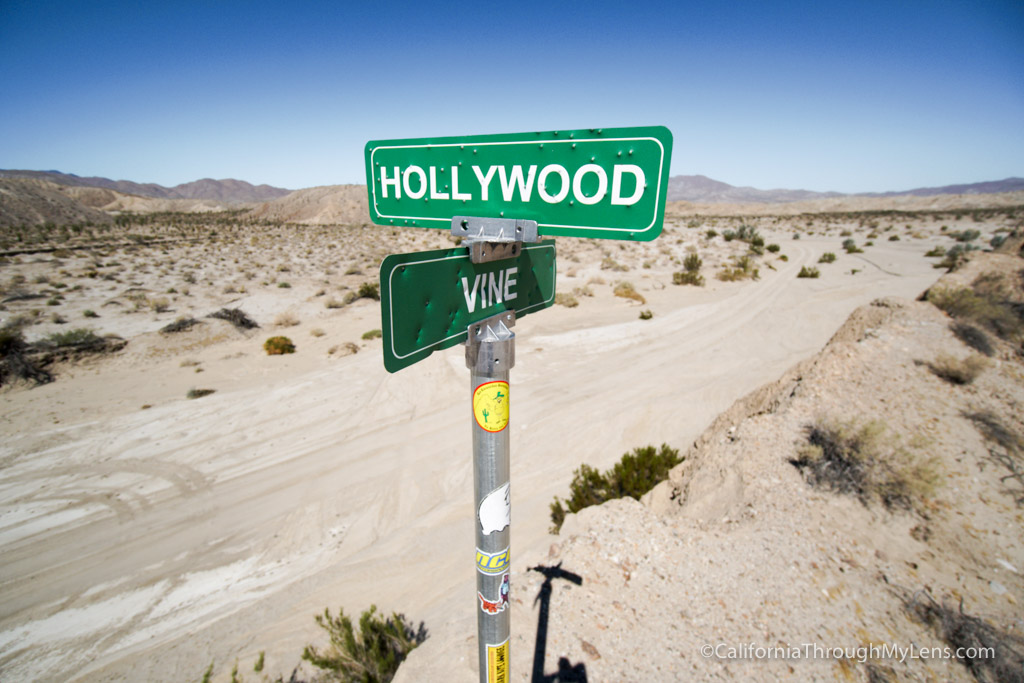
(646, 315)
(866, 461)
(373, 334)
(626, 291)
(277, 346)
(179, 325)
(973, 337)
(690, 275)
(199, 393)
(567, 300)
(236, 317)
(286, 319)
(742, 269)
(77, 337)
(808, 272)
(959, 370)
(984, 304)
(970, 636)
(634, 475)
(851, 247)
(827, 257)
(371, 655)
(935, 252)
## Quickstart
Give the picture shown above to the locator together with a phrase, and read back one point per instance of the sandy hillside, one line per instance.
(145, 535)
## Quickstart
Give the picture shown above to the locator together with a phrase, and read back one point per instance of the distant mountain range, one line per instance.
(698, 188)
(229, 190)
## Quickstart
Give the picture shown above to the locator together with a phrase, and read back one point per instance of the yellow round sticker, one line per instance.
(490, 406)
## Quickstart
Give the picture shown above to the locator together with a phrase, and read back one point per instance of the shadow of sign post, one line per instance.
(566, 671)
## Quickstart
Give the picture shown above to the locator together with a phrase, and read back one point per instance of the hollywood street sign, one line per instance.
(429, 299)
(604, 183)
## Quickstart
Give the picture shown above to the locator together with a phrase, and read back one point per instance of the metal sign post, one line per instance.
(604, 183)
(490, 354)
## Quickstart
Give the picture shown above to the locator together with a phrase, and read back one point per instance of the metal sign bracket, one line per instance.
(493, 239)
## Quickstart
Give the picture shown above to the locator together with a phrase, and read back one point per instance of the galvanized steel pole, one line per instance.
(490, 354)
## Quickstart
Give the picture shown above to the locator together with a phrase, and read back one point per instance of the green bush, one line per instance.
(634, 475)
(76, 337)
(646, 315)
(808, 272)
(742, 268)
(773, 248)
(692, 264)
(851, 247)
(986, 308)
(711, 234)
(278, 346)
(827, 257)
(936, 252)
(370, 656)
(369, 290)
(373, 334)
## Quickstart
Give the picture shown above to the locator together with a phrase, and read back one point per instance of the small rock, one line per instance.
(997, 587)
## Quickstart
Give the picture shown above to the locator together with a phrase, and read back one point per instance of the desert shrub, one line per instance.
(894, 238)
(333, 303)
(796, 235)
(627, 291)
(646, 315)
(748, 233)
(567, 300)
(284, 285)
(688, 278)
(865, 461)
(965, 235)
(757, 250)
(369, 290)
(827, 257)
(742, 268)
(997, 241)
(277, 346)
(179, 325)
(773, 248)
(973, 337)
(582, 291)
(728, 235)
(608, 263)
(89, 313)
(371, 655)
(236, 317)
(158, 305)
(959, 371)
(808, 272)
(691, 274)
(956, 256)
(970, 635)
(935, 252)
(851, 247)
(199, 393)
(987, 309)
(711, 234)
(634, 475)
(317, 332)
(373, 334)
(77, 337)
(286, 319)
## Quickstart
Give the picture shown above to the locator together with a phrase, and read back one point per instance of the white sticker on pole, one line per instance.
(496, 510)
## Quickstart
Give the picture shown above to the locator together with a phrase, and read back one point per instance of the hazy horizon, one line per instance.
(872, 97)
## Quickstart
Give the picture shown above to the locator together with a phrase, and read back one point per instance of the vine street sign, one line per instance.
(605, 183)
(429, 299)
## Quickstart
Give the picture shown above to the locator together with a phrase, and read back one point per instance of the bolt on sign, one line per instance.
(606, 183)
(430, 298)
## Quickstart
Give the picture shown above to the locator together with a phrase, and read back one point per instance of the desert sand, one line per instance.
(144, 535)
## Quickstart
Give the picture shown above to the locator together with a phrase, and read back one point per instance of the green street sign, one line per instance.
(429, 299)
(605, 183)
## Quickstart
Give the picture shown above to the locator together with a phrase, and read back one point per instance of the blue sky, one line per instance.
(853, 97)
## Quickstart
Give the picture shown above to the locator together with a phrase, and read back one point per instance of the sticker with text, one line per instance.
(490, 406)
(496, 510)
(499, 605)
(491, 563)
(497, 663)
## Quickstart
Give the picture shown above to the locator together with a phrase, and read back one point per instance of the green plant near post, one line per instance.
(370, 656)
(691, 273)
(634, 475)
